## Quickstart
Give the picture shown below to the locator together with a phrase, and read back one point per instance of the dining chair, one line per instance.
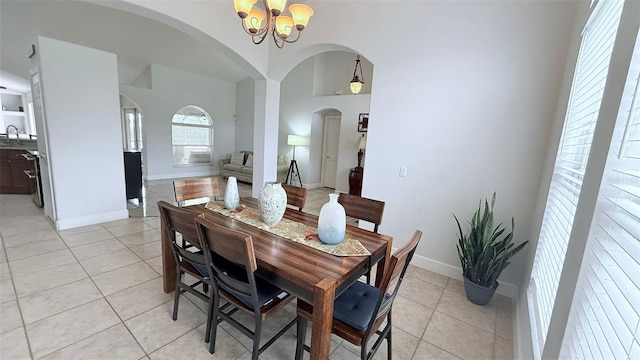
(296, 196)
(361, 309)
(238, 284)
(191, 189)
(363, 209)
(188, 260)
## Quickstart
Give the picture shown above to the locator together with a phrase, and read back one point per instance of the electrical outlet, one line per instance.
(403, 171)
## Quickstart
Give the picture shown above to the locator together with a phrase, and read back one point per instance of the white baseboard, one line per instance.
(64, 224)
(313, 186)
(183, 175)
(523, 340)
(455, 272)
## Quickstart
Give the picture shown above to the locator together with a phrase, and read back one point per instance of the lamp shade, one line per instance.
(297, 140)
(277, 5)
(362, 142)
(243, 7)
(356, 86)
(284, 25)
(301, 14)
(254, 20)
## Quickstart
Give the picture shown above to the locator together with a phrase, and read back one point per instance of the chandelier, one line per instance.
(278, 25)
(357, 81)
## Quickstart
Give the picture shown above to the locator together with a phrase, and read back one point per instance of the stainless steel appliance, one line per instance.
(34, 156)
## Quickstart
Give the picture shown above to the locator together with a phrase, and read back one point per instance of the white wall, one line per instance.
(245, 98)
(464, 97)
(334, 71)
(298, 116)
(83, 131)
(171, 90)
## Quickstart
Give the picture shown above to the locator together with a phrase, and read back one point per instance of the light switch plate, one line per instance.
(403, 171)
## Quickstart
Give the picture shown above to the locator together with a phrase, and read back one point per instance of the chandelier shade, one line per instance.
(276, 6)
(357, 81)
(243, 6)
(253, 21)
(278, 25)
(284, 25)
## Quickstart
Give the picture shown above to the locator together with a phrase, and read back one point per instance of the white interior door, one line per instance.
(330, 151)
(43, 148)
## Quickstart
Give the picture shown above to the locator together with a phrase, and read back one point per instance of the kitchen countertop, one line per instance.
(22, 145)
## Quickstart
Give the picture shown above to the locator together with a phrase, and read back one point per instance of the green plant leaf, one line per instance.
(485, 250)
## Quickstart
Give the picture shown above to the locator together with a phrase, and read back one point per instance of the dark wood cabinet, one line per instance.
(355, 181)
(13, 180)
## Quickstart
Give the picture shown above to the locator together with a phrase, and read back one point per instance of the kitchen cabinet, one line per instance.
(12, 111)
(13, 180)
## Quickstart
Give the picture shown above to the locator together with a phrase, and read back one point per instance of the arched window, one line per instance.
(192, 136)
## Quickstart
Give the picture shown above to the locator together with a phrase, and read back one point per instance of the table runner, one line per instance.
(292, 230)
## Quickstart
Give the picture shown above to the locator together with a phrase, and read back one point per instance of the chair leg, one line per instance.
(213, 322)
(363, 351)
(301, 334)
(389, 347)
(256, 337)
(176, 298)
(207, 334)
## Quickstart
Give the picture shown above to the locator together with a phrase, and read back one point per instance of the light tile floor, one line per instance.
(96, 293)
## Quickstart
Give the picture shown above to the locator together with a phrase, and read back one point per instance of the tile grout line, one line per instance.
(15, 293)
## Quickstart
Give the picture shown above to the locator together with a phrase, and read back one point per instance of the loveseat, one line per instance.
(240, 165)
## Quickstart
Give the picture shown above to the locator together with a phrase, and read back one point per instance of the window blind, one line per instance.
(582, 113)
(605, 317)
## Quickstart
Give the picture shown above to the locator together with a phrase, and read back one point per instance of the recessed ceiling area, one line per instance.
(137, 41)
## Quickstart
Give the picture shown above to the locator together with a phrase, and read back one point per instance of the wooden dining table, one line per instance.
(314, 276)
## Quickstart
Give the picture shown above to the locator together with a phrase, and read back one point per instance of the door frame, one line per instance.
(328, 118)
(48, 193)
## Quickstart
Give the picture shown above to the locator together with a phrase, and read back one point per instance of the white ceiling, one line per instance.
(137, 41)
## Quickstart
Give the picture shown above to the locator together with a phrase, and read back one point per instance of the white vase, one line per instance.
(231, 196)
(332, 222)
(272, 202)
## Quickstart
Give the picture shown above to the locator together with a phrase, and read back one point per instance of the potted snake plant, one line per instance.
(484, 252)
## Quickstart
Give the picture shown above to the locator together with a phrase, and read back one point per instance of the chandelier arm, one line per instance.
(361, 76)
(260, 37)
(288, 40)
(260, 31)
(279, 41)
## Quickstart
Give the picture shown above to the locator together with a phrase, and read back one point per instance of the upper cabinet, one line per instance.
(13, 112)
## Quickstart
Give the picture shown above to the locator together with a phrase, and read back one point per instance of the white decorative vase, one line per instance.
(332, 223)
(272, 202)
(231, 196)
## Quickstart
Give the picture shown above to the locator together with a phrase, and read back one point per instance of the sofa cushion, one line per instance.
(237, 159)
(247, 170)
(249, 162)
(233, 167)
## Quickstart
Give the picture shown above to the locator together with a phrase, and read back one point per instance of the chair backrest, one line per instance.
(179, 220)
(188, 189)
(236, 248)
(296, 196)
(363, 208)
(393, 274)
(399, 263)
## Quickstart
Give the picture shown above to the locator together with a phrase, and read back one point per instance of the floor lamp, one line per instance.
(294, 173)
